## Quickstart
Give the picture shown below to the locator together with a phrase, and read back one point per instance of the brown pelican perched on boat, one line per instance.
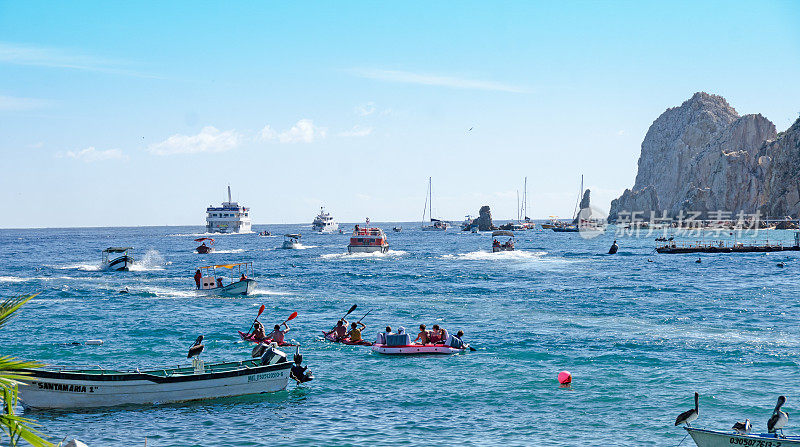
(742, 428)
(779, 418)
(690, 415)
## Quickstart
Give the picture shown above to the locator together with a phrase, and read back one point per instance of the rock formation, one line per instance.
(704, 157)
(485, 219)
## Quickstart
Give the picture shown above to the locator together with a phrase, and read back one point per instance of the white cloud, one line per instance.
(90, 154)
(620, 132)
(303, 131)
(408, 77)
(210, 139)
(366, 109)
(12, 103)
(357, 131)
(21, 54)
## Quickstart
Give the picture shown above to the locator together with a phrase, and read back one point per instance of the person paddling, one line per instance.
(258, 331)
(423, 335)
(355, 332)
(277, 335)
(340, 330)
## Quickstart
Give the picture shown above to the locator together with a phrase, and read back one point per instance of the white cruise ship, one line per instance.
(229, 218)
(324, 223)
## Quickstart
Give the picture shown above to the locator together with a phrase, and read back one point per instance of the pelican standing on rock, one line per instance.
(742, 428)
(779, 418)
(690, 415)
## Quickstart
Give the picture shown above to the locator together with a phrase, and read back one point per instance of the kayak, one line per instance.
(251, 338)
(415, 349)
(345, 341)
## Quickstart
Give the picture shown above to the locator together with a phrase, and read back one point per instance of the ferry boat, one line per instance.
(324, 223)
(240, 283)
(121, 263)
(368, 240)
(229, 218)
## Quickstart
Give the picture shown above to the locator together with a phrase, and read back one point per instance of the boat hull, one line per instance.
(367, 248)
(497, 249)
(241, 287)
(290, 245)
(710, 438)
(416, 349)
(120, 264)
(53, 389)
(204, 249)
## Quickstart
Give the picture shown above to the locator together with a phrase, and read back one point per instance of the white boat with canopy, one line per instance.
(117, 258)
(51, 387)
(291, 241)
(237, 277)
(506, 245)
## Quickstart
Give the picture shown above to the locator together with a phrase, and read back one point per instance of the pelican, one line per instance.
(690, 415)
(779, 418)
(742, 428)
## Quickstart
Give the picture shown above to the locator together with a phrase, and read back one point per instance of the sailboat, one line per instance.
(526, 222)
(571, 227)
(435, 224)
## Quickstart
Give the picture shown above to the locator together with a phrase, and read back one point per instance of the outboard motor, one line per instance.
(273, 355)
(300, 373)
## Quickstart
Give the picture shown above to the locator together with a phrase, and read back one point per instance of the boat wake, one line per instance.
(235, 250)
(82, 267)
(516, 255)
(208, 234)
(357, 256)
(301, 247)
(152, 260)
(12, 279)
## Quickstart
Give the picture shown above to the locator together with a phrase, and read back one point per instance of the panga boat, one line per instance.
(711, 438)
(203, 248)
(291, 241)
(207, 280)
(88, 388)
(368, 240)
(113, 262)
(508, 245)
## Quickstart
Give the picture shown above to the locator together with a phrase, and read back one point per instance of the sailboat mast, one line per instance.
(229, 193)
(430, 202)
(580, 194)
(517, 205)
(525, 200)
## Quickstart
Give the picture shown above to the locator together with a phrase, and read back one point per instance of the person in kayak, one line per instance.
(340, 330)
(258, 331)
(277, 335)
(355, 332)
(423, 336)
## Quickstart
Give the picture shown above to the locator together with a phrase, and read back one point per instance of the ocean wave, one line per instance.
(13, 279)
(356, 256)
(198, 235)
(301, 247)
(234, 250)
(152, 260)
(519, 255)
(79, 266)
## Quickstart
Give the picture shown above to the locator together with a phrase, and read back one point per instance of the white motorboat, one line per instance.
(712, 438)
(229, 218)
(111, 261)
(209, 281)
(291, 241)
(48, 388)
(508, 245)
(368, 240)
(324, 222)
(435, 224)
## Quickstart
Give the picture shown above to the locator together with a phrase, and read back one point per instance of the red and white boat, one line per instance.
(368, 240)
(415, 349)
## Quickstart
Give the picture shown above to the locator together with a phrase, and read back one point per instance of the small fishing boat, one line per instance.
(208, 281)
(345, 341)
(264, 233)
(51, 387)
(712, 438)
(291, 241)
(203, 248)
(397, 229)
(368, 240)
(508, 245)
(123, 262)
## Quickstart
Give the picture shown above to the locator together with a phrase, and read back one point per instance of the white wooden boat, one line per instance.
(238, 284)
(712, 438)
(291, 241)
(508, 245)
(88, 388)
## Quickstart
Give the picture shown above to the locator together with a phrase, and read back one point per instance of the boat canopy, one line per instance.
(502, 233)
(117, 249)
(293, 236)
(204, 239)
(226, 266)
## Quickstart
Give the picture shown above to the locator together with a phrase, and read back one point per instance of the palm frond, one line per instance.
(18, 427)
(10, 305)
(11, 371)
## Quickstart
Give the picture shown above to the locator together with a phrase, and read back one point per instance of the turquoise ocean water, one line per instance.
(639, 337)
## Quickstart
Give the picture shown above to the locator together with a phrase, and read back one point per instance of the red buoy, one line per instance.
(564, 377)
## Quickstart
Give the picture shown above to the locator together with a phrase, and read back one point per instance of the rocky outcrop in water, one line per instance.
(704, 157)
(485, 219)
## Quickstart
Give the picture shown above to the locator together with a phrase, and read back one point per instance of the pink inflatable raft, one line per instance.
(400, 344)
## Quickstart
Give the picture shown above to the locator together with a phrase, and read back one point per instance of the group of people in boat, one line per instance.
(198, 279)
(436, 336)
(340, 331)
(504, 245)
(277, 335)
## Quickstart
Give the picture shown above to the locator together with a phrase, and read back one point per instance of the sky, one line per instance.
(137, 113)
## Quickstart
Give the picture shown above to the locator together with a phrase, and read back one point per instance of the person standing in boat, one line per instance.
(277, 335)
(198, 278)
(355, 331)
(423, 335)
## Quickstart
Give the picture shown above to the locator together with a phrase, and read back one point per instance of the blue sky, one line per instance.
(141, 114)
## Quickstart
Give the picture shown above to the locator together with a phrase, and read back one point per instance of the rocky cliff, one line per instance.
(703, 156)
